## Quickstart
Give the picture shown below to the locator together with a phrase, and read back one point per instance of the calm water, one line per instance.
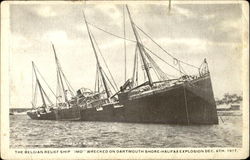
(27, 133)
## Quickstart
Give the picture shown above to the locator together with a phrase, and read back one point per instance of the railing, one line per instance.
(161, 85)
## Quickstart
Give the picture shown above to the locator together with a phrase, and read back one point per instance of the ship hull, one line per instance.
(43, 116)
(70, 114)
(187, 103)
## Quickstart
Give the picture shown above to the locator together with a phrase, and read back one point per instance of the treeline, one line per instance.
(229, 98)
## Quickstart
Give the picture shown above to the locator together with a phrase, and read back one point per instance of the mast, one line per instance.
(135, 67)
(124, 43)
(39, 85)
(59, 73)
(97, 60)
(140, 49)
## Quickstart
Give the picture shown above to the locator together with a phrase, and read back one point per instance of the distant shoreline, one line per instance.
(19, 109)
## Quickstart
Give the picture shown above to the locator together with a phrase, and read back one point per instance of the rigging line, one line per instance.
(110, 33)
(156, 68)
(153, 64)
(47, 96)
(59, 70)
(135, 42)
(104, 60)
(95, 53)
(63, 89)
(125, 50)
(44, 80)
(162, 59)
(179, 65)
(101, 86)
(35, 96)
(143, 66)
(42, 96)
(163, 48)
(66, 80)
(96, 78)
(68, 84)
(141, 49)
(134, 69)
(100, 83)
(99, 80)
(137, 66)
(183, 69)
(162, 74)
(157, 74)
(201, 65)
(110, 82)
(180, 68)
(59, 89)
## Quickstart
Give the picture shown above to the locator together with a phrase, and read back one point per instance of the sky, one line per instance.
(191, 32)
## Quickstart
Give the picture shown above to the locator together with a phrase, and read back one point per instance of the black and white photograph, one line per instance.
(163, 78)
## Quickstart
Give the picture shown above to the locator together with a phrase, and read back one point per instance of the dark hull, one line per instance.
(188, 103)
(58, 114)
(44, 116)
(70, 114)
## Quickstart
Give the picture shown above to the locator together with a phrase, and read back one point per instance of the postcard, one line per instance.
(124, 79)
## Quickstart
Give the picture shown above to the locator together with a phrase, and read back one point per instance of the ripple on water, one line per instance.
(27, 133)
